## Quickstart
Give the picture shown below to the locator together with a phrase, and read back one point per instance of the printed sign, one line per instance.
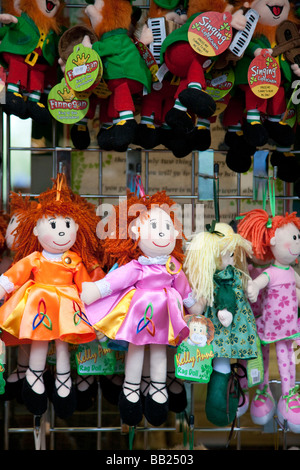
(264, 75)
(193, 360)
(210, 33)
(67, 106)
(83, 68)
(96, 358)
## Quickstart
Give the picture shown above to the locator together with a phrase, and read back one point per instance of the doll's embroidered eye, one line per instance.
(153, 225)
(68, 225)
(294, 237)
(168, 226)
(53, 225)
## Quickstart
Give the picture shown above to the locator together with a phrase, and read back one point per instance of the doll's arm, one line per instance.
(6, 18)
(255, 286)
(17, 275)
(225, 317)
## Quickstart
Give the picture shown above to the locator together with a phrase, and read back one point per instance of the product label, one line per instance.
(210, 33)
(67, 106)
(96, 358)
(83, 68)
(264, 75)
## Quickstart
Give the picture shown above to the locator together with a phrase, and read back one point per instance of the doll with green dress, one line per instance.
(216, 266)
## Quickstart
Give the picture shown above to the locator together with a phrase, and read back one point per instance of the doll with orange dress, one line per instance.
(55, 241)
(143, 301)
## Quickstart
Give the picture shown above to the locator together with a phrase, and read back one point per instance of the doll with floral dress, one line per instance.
(216, 266)
(55, 240)
(142, 302)
(278, 322)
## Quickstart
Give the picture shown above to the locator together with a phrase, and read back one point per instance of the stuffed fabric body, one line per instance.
(131, 291)
(239, 339)
(279, 307)
(57, 283)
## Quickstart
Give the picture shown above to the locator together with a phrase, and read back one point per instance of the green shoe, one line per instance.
(222, 398)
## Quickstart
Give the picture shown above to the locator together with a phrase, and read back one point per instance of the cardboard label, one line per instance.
(65, 105)
(264, 75)
(219, 83)
(96, 358)
(210, 33)
(193, 360)
(83, 68)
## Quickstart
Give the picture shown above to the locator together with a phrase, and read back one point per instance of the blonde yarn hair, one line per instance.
(204, 257)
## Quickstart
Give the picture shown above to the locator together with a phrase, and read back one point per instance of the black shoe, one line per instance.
(280, 132)
(105, 138)
(177, 401)
(288, 165)
(146, 136)
(199, 139)
(80, 136)
(198, 102)
(124, 133)
(156, 413)
(179, 121)
(15, 104)
(64, 406)
(110, 390)
(36, 403)
(131, 413)
(85, 399)
(255, 133)
(38, 112)
(13, 390)
(240, 152)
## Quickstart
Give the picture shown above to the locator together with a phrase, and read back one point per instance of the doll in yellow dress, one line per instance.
(55, 241)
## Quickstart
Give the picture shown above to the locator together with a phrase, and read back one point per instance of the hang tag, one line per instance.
(219, 82)
(193, 360)
(255, 367)
(83, 68)
(264, 75)
(96, 358)
(210, 33)
(67, 106)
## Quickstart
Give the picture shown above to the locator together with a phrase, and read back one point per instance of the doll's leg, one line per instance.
(145, 380)
(64, 396)
(14, 383)
(130, 404)
(176, 388)
(244, 398)
(156, 403)
(33, 393)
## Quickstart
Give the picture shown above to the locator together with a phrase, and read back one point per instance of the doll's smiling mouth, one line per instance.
(50, 5)
(275, 10)
(161, 246)
(64, 244)
(294, 254)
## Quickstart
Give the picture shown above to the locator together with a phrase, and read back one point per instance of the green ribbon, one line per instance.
(211, 228)
(291, 396)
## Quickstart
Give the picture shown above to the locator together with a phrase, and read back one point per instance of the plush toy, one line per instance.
(54, 241)
(184, 62)
(257, 263)
(28, 50)
(252, 120)
(124, 70)
(142, 301)
(216, 267)
(278, 321)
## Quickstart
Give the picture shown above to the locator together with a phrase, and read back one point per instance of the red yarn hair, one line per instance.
(121, 246)
(253, 227)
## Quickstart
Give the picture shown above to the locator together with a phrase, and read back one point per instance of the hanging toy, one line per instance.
(142, 301)
(216, 267)
(28, 50)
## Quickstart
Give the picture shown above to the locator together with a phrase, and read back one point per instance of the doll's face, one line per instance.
(227, 259)
(156, 232)
(56, 234)
(198, 333)
(271, 12)
(48, 7)
(9, 236)
(285, 245)
(94, 12)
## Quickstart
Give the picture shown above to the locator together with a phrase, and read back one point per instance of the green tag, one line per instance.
(219, 82)
(67, 106)
(96, 358)
(193, 360)
(83, 68)
(255, 367)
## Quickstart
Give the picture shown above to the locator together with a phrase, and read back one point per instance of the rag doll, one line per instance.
(257, 263)
(142, 301)
(251, 120)
(184, 62)
(28, 51)
(279, 311)
(124, 70)
(216, 267)
(55, 240)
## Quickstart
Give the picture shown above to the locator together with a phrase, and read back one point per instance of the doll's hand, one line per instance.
(146, 36)
(6, 18)
(90, 293)
(252, 291)
(86, 42)
(259, 50)
(239, 20)
(225, 317)
(296, 69)
(198, 307)
(62, 64)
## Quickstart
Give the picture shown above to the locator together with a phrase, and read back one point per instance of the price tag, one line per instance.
(67, 106)
(83, 68)
(264, 75)
(210, 33)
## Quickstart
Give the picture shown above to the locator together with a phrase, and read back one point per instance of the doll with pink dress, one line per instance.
(143, 301)
(278, 322)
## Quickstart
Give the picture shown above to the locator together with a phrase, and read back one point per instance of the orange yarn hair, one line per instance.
(253, 227)
(115, 14)
(54, 202)
(120, 246)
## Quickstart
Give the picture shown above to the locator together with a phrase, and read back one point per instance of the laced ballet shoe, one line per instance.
(13, 390)
(156, 413)
(131, 412)
(262, 407)
(64, 406)
(86, 398)
(110, 390)
(177, 401)
(36, 403)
